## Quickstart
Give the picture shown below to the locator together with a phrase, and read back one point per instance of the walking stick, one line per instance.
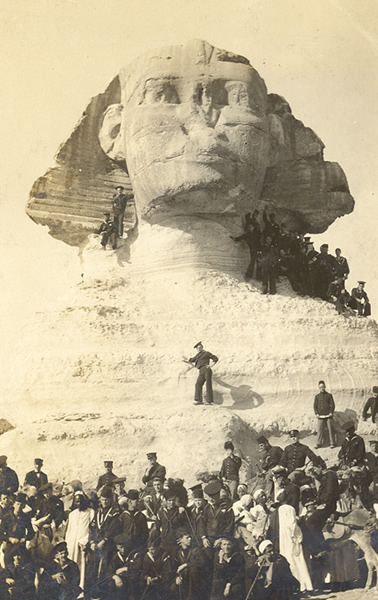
(192, 528)
(254, 581)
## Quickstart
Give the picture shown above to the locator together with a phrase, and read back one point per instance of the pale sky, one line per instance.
(322, 55)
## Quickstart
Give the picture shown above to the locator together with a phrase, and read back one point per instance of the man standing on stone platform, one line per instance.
(371, 406)
(119, 205)
(202, 361)
(324, 407)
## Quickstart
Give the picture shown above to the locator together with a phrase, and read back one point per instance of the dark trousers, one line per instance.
(251, 266)
(109, 237)
(118, 220)
(269, 280)
(205, 374)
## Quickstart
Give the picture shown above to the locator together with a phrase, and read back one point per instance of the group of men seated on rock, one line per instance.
(277, 252)
(112, 227)
(274, 537)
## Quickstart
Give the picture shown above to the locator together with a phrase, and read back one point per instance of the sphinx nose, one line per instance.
(201, 107)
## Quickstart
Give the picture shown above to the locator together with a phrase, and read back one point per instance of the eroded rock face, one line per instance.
(194, 132)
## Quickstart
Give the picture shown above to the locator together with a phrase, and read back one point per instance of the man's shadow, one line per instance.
(243, 396)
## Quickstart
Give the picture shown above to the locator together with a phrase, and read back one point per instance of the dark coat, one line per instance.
(271, 458)
(36, 479)
(230, 468)
(216, 522)
(229, 572)
(294, 456)
(352, 451)
(8, 480)
(370, 408)
(324, 404)
(134, 525)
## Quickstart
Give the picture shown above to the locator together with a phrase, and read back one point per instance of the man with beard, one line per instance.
(78, 530)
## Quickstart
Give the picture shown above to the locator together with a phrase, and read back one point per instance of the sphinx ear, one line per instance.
(111, 133)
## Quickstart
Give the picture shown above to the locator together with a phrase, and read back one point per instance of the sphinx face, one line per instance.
(195, 132)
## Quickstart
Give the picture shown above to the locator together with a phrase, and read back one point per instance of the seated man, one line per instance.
(109, 231)
(360, 300)
(63, 576)
(371, 406)
(352, 452)
(338, 295)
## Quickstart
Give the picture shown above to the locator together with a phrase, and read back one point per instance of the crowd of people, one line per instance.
(276, 252)
(274, 537)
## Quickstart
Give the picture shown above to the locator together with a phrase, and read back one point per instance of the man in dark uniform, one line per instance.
(36, 478)
(202, 362)
(134, 522)
(217, 521)
(229, 473)
(360, 300)
(269, 260)
(271, 456)
(63, 576)
(338, 295)
(195, 512)
(109, 230)
(371, 460)
(108, 477)
(153, 470)
(371, 406)
(352, 452)
(328, 488)
(119, 206)
(311, 260)
(325, 270)
(15, 527)
(294, 457)
(324, 407)
(8, 477)
(252, 237)
(283, 486)
(49, 511)
(341, 266)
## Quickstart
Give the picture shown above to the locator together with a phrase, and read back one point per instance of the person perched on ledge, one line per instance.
(202, 362)
(324, 407)
(294, 457)
(108, 229)
(360, 300)
(371, 406)
(338, 295)
(341, 265)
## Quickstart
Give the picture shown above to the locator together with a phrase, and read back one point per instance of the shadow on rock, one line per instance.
(243, 396)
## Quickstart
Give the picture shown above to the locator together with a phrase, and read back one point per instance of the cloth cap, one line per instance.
(228, 446)
(262, 440)
(122, 539)
(198, 493)
(120, 187)
(197, 344)
(151, 454)
(118, 480)
(133, 495)
(348, 425)
(375, 389)
(108, 463)
(258, 493)
(38, 461)
(324, 246)
(293, 433)
(3, 460)
(361, 282)
(264, 545)
(157, 478)
(213, 488)
(106, 492)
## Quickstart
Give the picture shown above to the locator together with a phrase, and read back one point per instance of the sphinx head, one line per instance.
(193, 127)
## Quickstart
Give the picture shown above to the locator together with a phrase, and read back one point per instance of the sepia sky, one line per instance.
(56, 54)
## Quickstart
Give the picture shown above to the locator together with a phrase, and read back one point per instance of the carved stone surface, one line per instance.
(198, 134)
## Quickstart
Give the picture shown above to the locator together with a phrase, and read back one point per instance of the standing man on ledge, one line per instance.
(202, 361)
(324, 407)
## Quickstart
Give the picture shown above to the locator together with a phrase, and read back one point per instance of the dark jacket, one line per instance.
(202, 359)
(230, 468)
(8, 480)
(294, 456)
(134, 525)
(217, 521)
(370, 408)
(271, 458)
(352, 451)
(324, 404)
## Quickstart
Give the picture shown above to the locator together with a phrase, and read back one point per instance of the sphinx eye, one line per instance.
(160, 92)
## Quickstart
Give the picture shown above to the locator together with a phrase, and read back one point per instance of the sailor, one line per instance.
(202, 361)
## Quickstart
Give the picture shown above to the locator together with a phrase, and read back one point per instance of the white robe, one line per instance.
(290, 537)
(77, 532)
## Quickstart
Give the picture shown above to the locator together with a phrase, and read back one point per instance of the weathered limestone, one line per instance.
(193, 131)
